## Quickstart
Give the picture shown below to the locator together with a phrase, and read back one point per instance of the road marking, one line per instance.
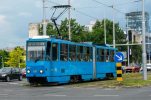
(55, 95)
(13, 83)
(108, 89)
(3, 94)
(91, 88)
(106, 95)
(59, 87)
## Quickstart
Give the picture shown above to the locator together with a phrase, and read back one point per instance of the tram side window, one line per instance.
(86, 54)
(48, 51)
(107, 55)
(102, 53)
(112, 55)
(63, 52)
(91, 53)
(54, 51)
(98, 56)
(72, 52)
(79, 53)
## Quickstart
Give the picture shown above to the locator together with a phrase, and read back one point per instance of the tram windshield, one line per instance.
(35, 51)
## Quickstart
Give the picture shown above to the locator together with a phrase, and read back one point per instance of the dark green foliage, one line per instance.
(136, 54)
(5, 56)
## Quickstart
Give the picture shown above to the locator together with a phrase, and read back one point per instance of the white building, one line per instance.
(33, 29)
(90, 26)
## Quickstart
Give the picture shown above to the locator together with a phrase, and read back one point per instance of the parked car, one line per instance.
(9, 73)
(24, 72)
(148, 67)
(132, 69)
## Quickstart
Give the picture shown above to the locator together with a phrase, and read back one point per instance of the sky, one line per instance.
(15, 15)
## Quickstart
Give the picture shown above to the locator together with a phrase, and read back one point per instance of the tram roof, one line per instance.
(89, 44)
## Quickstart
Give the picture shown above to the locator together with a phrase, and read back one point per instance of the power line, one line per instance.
(74, 9)
(84, 13)
(128, 2)
(108, 6)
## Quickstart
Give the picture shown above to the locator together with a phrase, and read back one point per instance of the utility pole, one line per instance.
(104, 29)
(69, 19)
(113, 26)
(144, 43)
(128, 52)
(44, 18)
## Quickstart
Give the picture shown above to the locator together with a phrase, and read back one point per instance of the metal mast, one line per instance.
(44, 18)
(113, 25)
(104, 29)
(54, 18)
(69, 18)
(144, 42)
(128, 50)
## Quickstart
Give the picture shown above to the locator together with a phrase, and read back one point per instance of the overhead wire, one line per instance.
(74, 9)
(109, 6)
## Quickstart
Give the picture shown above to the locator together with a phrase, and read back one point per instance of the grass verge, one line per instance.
(129, 80)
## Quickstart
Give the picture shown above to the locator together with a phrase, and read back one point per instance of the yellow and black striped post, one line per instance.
(119, 72)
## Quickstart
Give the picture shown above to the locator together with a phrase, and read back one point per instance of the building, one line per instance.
(90, 26)
(134, 21)
(34, 29)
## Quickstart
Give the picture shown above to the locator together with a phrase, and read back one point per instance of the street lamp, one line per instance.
(2, 61)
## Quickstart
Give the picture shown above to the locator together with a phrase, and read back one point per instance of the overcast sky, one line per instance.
(15, 15)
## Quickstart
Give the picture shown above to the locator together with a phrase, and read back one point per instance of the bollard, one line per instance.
(119, 72)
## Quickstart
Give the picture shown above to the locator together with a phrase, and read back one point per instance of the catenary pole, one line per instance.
(144, 43)
(69, 20)
(44, 18)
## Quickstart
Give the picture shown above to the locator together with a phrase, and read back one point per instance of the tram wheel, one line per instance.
(75, 78)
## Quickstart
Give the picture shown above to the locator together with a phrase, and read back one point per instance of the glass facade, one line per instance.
(135, 21)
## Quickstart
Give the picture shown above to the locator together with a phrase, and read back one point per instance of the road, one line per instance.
(16, 90)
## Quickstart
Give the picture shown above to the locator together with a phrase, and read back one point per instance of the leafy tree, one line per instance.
(50, 29)
(4, 55)
(17, 58)
(77, 31)
(98, 32)
(136, 54)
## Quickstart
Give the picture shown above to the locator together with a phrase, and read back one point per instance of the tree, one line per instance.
(98, 32)
(5, 56)
(50, 29)
(77, 31)
(17, 58)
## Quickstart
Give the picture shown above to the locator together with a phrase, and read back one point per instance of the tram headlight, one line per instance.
(28, 71)
(41, 71)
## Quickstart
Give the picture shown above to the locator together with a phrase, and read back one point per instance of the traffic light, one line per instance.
(130, 36)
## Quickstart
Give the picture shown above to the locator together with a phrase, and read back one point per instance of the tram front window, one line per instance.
(36, 51)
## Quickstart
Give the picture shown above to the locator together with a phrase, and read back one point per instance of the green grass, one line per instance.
(129, 80)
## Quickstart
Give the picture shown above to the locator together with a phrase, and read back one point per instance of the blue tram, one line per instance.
(60, 61)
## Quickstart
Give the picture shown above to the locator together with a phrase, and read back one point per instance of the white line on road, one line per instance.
(55, 95)
(13, 83)
(59, 87)
(3, 94)
(106, 95)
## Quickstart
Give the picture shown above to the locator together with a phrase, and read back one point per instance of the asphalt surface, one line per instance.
(16, 90)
